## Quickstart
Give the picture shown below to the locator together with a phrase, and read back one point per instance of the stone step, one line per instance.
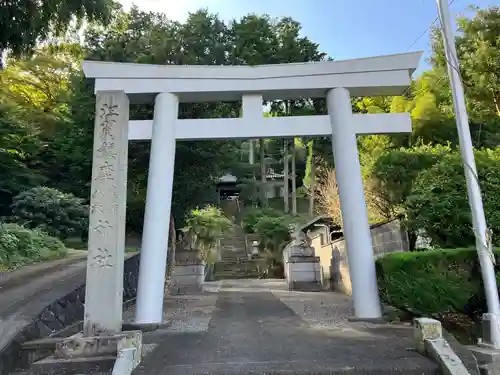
(242, 260)
(236, 267)
(236, 272)
(233, 240)
(81, 365)
(236, 277)
(321, 367)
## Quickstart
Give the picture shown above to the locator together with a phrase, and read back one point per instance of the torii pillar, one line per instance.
(356, 228)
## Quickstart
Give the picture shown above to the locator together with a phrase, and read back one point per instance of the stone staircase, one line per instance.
(234, 263)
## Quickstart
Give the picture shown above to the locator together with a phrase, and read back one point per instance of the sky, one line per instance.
(343, 28)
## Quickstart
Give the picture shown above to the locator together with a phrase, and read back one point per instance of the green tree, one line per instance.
(18, 141)
(24, 23)
(149, 37)
(479, 53)
(394, 172)
(438, 200)
(39, 86)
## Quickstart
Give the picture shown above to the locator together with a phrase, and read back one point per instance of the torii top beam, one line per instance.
(373, 76)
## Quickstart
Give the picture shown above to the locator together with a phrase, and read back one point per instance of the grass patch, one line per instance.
(20, 246)
(75, 243)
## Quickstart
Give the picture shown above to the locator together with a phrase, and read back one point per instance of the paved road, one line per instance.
(25, 292)
(257, 327)
(38, 284)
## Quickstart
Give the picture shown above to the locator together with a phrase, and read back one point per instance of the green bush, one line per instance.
(273, 233)
(59, 214)
(429, 282)
(438, 201)
(394, 171)
(255, 214)
(20, 245)
(205, 227)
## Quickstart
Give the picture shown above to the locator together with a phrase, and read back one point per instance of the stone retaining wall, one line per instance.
(65, 313)
(387, 237)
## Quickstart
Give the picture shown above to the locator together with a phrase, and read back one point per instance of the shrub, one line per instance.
(255, 214)
(429, 282)
(394, 171)
(205, 227)
(52, 211)
(20, 245)
(438, 201)
(273, 233)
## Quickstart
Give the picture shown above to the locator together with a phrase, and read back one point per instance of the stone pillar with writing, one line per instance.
(106, 247)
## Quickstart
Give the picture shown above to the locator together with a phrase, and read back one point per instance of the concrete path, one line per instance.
(258, 327)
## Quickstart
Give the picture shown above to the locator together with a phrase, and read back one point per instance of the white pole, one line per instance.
(150, 291)
(473, 189)
(353, 206)
(294, 179)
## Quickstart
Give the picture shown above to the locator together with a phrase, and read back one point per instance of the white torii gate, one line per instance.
(117, 83)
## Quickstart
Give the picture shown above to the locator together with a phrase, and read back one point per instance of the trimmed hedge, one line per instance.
(432, 281)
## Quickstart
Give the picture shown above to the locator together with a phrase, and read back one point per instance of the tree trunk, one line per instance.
(312, 185)
(497, 105)
(263, 186)
(251, 161)
(294, 180)
(251, 158)
(286, 195)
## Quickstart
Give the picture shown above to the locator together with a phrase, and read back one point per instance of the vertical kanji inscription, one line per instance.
(103, 298)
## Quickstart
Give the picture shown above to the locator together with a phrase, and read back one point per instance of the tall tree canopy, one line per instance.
(47, 106)
(26, 23)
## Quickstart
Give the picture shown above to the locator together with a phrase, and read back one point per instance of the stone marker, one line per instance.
(104, 288)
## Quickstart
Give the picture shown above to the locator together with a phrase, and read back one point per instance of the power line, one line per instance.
(423, 33)
(426, 30)
(420, 37)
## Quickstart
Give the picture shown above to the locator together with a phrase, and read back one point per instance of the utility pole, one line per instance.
(482, 233)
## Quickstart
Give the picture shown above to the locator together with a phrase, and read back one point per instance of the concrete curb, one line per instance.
(433, 342)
